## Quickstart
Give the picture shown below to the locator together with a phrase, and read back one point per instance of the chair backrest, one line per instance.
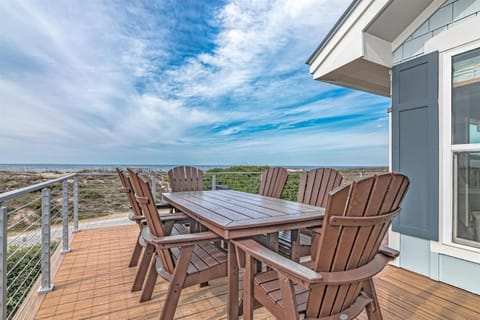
(185, 178)
(272, 182)
(316, 184)
(357, 217)
(144, 197)
(127, 187)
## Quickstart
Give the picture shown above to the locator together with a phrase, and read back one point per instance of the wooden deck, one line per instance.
(94, 283)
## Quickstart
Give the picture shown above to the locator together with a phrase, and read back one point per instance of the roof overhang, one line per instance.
(358, 51)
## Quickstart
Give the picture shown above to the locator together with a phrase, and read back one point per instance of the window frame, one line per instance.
(447, 150)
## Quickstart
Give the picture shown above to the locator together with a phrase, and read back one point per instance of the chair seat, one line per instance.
(267, 288)
(205, 256)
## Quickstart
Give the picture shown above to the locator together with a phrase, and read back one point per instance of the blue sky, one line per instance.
(178, 82)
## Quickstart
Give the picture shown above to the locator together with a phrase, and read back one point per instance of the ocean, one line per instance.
(44, 167)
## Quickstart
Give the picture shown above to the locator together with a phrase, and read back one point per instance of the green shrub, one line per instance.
(249, 182)
(23, 268)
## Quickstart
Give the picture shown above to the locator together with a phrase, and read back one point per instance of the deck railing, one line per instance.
(26, 216)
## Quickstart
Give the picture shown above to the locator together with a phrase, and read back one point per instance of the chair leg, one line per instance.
(142, 268)
(176, 285)
(149, 282)
(137, 251)
(295, 243)
(248, 298)
(288, 297)
(373, 309)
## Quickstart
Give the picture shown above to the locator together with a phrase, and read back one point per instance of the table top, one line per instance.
(234, 214)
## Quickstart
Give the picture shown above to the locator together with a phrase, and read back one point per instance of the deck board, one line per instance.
(94, 282)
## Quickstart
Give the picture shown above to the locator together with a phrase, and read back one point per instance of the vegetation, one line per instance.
(23, 269)
(247, 179)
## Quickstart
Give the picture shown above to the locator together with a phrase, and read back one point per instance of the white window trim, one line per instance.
(445, 245)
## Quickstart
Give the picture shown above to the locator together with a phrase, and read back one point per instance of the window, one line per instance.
(466, 139)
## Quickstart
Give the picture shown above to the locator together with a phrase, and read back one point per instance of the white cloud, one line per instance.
(71, 77)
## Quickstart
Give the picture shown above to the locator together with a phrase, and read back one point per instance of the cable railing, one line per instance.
(27, 241)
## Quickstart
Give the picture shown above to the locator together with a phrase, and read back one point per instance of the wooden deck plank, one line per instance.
(94, 283)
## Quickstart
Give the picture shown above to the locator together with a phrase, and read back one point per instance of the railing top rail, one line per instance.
(233, 172)
(34, 187)
(93, 174)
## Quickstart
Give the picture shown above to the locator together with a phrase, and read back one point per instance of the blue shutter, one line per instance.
(415, 143)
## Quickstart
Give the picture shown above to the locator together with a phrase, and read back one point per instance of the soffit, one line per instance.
(396, 17)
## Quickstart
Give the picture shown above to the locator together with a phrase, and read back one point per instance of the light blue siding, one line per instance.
(451, 13)
(460, 273)
(415, 254)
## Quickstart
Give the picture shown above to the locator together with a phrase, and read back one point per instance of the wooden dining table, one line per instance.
(233, 215)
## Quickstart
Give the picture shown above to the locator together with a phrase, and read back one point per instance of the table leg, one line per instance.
(272, 241)
(272, 244)
(232, 303)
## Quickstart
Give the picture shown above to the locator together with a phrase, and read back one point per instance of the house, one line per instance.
(425, 55)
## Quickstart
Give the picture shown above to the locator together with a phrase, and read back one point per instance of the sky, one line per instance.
(178, 82)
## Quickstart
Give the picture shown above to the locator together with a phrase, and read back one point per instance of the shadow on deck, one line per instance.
(94, 282)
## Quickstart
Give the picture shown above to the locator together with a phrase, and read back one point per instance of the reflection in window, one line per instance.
(467, 200)
(466, 97)
(466, 130)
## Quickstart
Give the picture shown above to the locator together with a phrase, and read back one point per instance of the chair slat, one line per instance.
(272, 182)
(185, 178)
(315, 185)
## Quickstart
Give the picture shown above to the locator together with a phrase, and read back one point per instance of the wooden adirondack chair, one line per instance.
(185, 178)
(272, 182)
(144, 233)
(338, 285)
(182, 259)
(313, 189)
(135, 215)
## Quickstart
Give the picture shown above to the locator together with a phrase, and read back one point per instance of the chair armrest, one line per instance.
(163, 217)
(163, 205)
(184, 240)
(389, 252)
(174, 217)
(307, 277)
(359, 274)
(293, 270)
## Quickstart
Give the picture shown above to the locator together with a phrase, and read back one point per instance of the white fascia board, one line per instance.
(419, 20)
(347, 44)
(459, 34)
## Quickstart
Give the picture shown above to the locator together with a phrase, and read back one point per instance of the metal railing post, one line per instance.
(3, 262)
(214, 182)
(65, 244)
(154, 187)
(46, 284)
(75, 204)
